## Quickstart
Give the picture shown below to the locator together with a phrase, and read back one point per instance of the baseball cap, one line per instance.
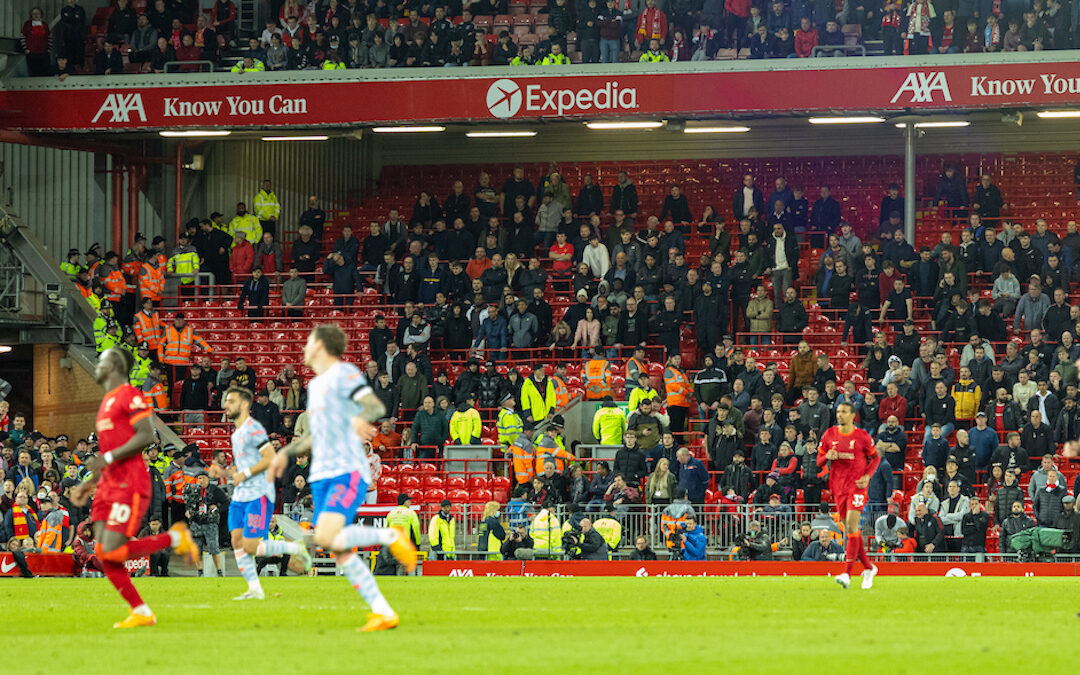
(445, 502)
(980, 414)
(1068, 499)
(558, 421)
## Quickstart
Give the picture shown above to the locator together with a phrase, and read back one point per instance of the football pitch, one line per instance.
(477, 625)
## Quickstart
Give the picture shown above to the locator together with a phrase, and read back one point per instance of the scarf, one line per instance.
(993, 33)
(21, 519)
(919, 16)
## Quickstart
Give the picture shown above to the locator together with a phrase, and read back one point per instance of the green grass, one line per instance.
(490, 625)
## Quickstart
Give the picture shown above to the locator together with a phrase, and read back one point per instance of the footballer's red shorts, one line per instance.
(852, 499)
(121, 509)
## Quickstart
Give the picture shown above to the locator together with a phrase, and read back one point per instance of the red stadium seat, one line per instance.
(480, 496)
(409, 482)
(431, 482)
(455, 482)
(458, 496)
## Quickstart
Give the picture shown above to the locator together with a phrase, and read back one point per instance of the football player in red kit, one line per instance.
(123, 485)
(853, 460)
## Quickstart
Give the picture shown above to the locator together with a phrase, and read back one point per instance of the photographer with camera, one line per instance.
(518, 545)
(755, 544)
(687, 542)
(825, 548)
(585, 543)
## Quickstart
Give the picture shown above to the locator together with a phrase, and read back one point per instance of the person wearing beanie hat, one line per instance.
(465, 425)
(441, 531)
(405, 519)
(609, 423)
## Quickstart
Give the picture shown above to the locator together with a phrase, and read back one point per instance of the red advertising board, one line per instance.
(254, 101)
(723, 568)
(41, 564)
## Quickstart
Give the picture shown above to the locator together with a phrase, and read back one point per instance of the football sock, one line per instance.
(272, 547)
(359, 536)
(851, 552)
(246, 564)
(361, 579)
(137, 548)
(863, 558)
(118, 576)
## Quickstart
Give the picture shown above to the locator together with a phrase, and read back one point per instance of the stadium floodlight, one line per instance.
(613, 126)
(845, 120)
(408, 130)
(500, 134)
(935, 125)
(194, 133)
(1058, 114)
(295, 138)
(716, 130)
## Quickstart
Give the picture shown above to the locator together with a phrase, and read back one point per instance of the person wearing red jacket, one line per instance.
(736, 12)
(806, 38)
(892, 404)
(35, 44)
(241, 259)
(652, 25)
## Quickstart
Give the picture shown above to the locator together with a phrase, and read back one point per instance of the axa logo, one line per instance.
(506, 98)
(460, 573)
(121, 106)
(641, 572)
(923, 86)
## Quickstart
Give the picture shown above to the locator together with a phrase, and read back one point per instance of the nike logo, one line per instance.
(6, 567)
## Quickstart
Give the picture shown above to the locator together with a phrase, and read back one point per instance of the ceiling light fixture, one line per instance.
(296, 138)
(500, 134)
(846, 120)
(716, 130)
(195, 133)
(614, 126)
(1058, 114)
(408, 130)
(935, 125)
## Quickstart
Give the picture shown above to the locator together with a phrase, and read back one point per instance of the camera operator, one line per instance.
(825, 548)
(590, 544)
(518, 545)
(755, 544)
(688, 541)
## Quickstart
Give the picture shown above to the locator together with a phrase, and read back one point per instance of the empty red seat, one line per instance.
(478, 482)
(458, 496)
(409, 482)
(480, 496)
(434, 496)
(455, 482)
(431, 482)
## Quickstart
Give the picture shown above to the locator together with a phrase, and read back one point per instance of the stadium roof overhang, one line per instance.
(684, 91)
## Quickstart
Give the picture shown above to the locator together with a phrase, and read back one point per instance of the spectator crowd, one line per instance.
(340, 34)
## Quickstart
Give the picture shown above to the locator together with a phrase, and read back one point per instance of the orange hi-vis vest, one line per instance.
(679, 390)
(174, 486)
(521, 452)
(148, 329)
(176, 345)
(597, 379)
(115, 286)
(50, 538)
(157, 396)
(562, 393)
(151, 281)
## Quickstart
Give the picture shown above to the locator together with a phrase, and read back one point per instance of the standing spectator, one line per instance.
(973, 527)
(72, 29)
(269, 256)
(256, 294)
(294, 293)
(1047, 502)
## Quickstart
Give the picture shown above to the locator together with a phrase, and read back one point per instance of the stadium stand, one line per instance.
(138, 36)
(751, 359)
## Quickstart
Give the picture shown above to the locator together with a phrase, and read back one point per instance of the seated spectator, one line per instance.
(825, 548)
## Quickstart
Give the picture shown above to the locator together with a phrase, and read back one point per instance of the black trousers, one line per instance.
(159, 564)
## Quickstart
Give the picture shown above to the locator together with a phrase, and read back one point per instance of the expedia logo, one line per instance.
(121, 107)
(921, 88)
(506, 98)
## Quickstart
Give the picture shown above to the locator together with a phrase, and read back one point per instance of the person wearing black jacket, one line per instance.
(517, 540)
(738, 201)
(624, 196)
(738, 477)
(255, 293)
(213, 246)
(633, 326)
(630, 460)
(987, 201)
(1037, 437)
(266, 412)
(468, 383)
(825, 215)
(929, 532)
(940, 408)
(973, 527)
(108, 61)
(492, 387)
(676, 207)
(590, 199)
(196, 392)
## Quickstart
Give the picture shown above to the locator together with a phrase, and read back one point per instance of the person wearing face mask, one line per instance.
(490, 534)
